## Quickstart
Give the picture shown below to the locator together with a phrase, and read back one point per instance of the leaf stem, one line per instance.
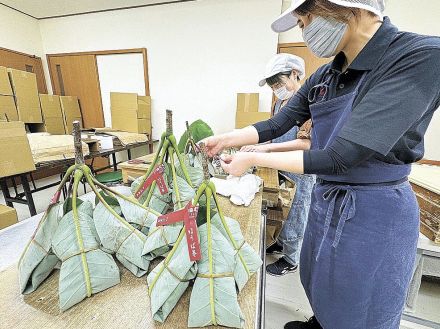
(208, 194)
(78, 175)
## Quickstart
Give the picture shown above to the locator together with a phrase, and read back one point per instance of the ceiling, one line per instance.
(41, 9)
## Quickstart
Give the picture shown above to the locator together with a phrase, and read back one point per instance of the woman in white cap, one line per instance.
(283, 75)
(370, 108)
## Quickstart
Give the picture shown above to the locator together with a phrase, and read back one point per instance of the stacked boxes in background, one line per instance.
(71, 112)
(8, 111)
(8, 216)
(247, 110)
(16, 156)
(131, 112)
(52, 115)
(24, 85)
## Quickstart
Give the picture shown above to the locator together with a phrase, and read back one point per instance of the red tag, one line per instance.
(56, 197)
(192, 237)
(160, 182)
(189, 216)
(173, 217)
(156, 175)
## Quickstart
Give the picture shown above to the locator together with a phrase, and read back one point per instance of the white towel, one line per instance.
(242, 189)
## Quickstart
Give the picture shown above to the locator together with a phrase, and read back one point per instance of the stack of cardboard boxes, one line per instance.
(247, 110)
(24, 85)
(131, 112)
(8, 216)
(53, 117)
(8, 111)
(16, 157)
(71, 112)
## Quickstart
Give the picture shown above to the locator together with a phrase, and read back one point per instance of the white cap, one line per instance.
(288, 20)
(284, 63)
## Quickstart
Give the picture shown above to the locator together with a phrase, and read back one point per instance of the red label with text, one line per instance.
(157, 176)
(189, 216)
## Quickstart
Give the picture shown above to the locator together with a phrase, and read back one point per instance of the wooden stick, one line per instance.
(169, 122)
(79, 157)
(204, 161)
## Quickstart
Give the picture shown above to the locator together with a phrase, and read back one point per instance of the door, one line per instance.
(77, 75)
(20, 61)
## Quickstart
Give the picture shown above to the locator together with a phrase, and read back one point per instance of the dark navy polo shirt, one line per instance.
(395, 103)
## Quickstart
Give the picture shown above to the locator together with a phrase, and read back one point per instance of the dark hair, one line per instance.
(327, 9)
(273, 80)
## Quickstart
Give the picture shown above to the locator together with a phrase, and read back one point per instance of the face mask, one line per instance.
(282, 93)
(323, 36)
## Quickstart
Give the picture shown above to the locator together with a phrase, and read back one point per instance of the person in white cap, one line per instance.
(283, 75)
(370, 107)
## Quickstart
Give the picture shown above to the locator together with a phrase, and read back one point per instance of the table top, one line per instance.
(148, 159)
(125, 305)
(426, 176)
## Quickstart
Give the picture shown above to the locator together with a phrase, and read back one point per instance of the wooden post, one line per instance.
(79, 157)
(204, 161)
(169, 122)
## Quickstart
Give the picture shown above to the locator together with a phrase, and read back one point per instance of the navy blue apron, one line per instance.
(360, 242)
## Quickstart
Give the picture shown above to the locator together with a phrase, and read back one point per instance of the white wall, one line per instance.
(421, 16)
(200, 54)
(20, 32)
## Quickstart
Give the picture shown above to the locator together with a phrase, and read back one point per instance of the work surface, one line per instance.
(126, 305)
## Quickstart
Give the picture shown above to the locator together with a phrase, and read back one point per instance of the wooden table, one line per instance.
(131, 171)
(127, 305)
(26, 197)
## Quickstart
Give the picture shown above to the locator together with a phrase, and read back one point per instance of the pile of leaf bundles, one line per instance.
(175, 194)
(227, 262)
(83, 239)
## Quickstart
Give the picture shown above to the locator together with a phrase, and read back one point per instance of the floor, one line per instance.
(285, 298)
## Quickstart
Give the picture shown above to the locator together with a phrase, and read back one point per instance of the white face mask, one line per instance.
(323, 36)
(282, 93)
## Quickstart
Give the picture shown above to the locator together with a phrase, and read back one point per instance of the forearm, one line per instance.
(294, 145)
(286, 161)
(240, 137)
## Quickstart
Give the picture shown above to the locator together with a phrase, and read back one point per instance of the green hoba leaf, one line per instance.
(199, 130)
(38, 260)
(102, 271)
(67, 205)
(222, 300)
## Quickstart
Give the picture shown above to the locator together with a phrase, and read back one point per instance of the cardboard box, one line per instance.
(16, 157)
(24, 85)
(5, 84)
(248, 102)
(128, 121)
(71, 112)
(127, 102)
(244, 119)
(8, 111)
(50, 106)
(8, 216)
(54, 126)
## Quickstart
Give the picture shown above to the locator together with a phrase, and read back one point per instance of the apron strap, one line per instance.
(347, 211)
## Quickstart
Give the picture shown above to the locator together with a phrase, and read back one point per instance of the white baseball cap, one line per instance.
(288, 20)
(284, 63)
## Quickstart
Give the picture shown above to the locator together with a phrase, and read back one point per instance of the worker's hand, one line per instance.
(262, 148)
(237, 164)
(214, 144)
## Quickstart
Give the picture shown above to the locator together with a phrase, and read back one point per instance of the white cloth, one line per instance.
(242, 189)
